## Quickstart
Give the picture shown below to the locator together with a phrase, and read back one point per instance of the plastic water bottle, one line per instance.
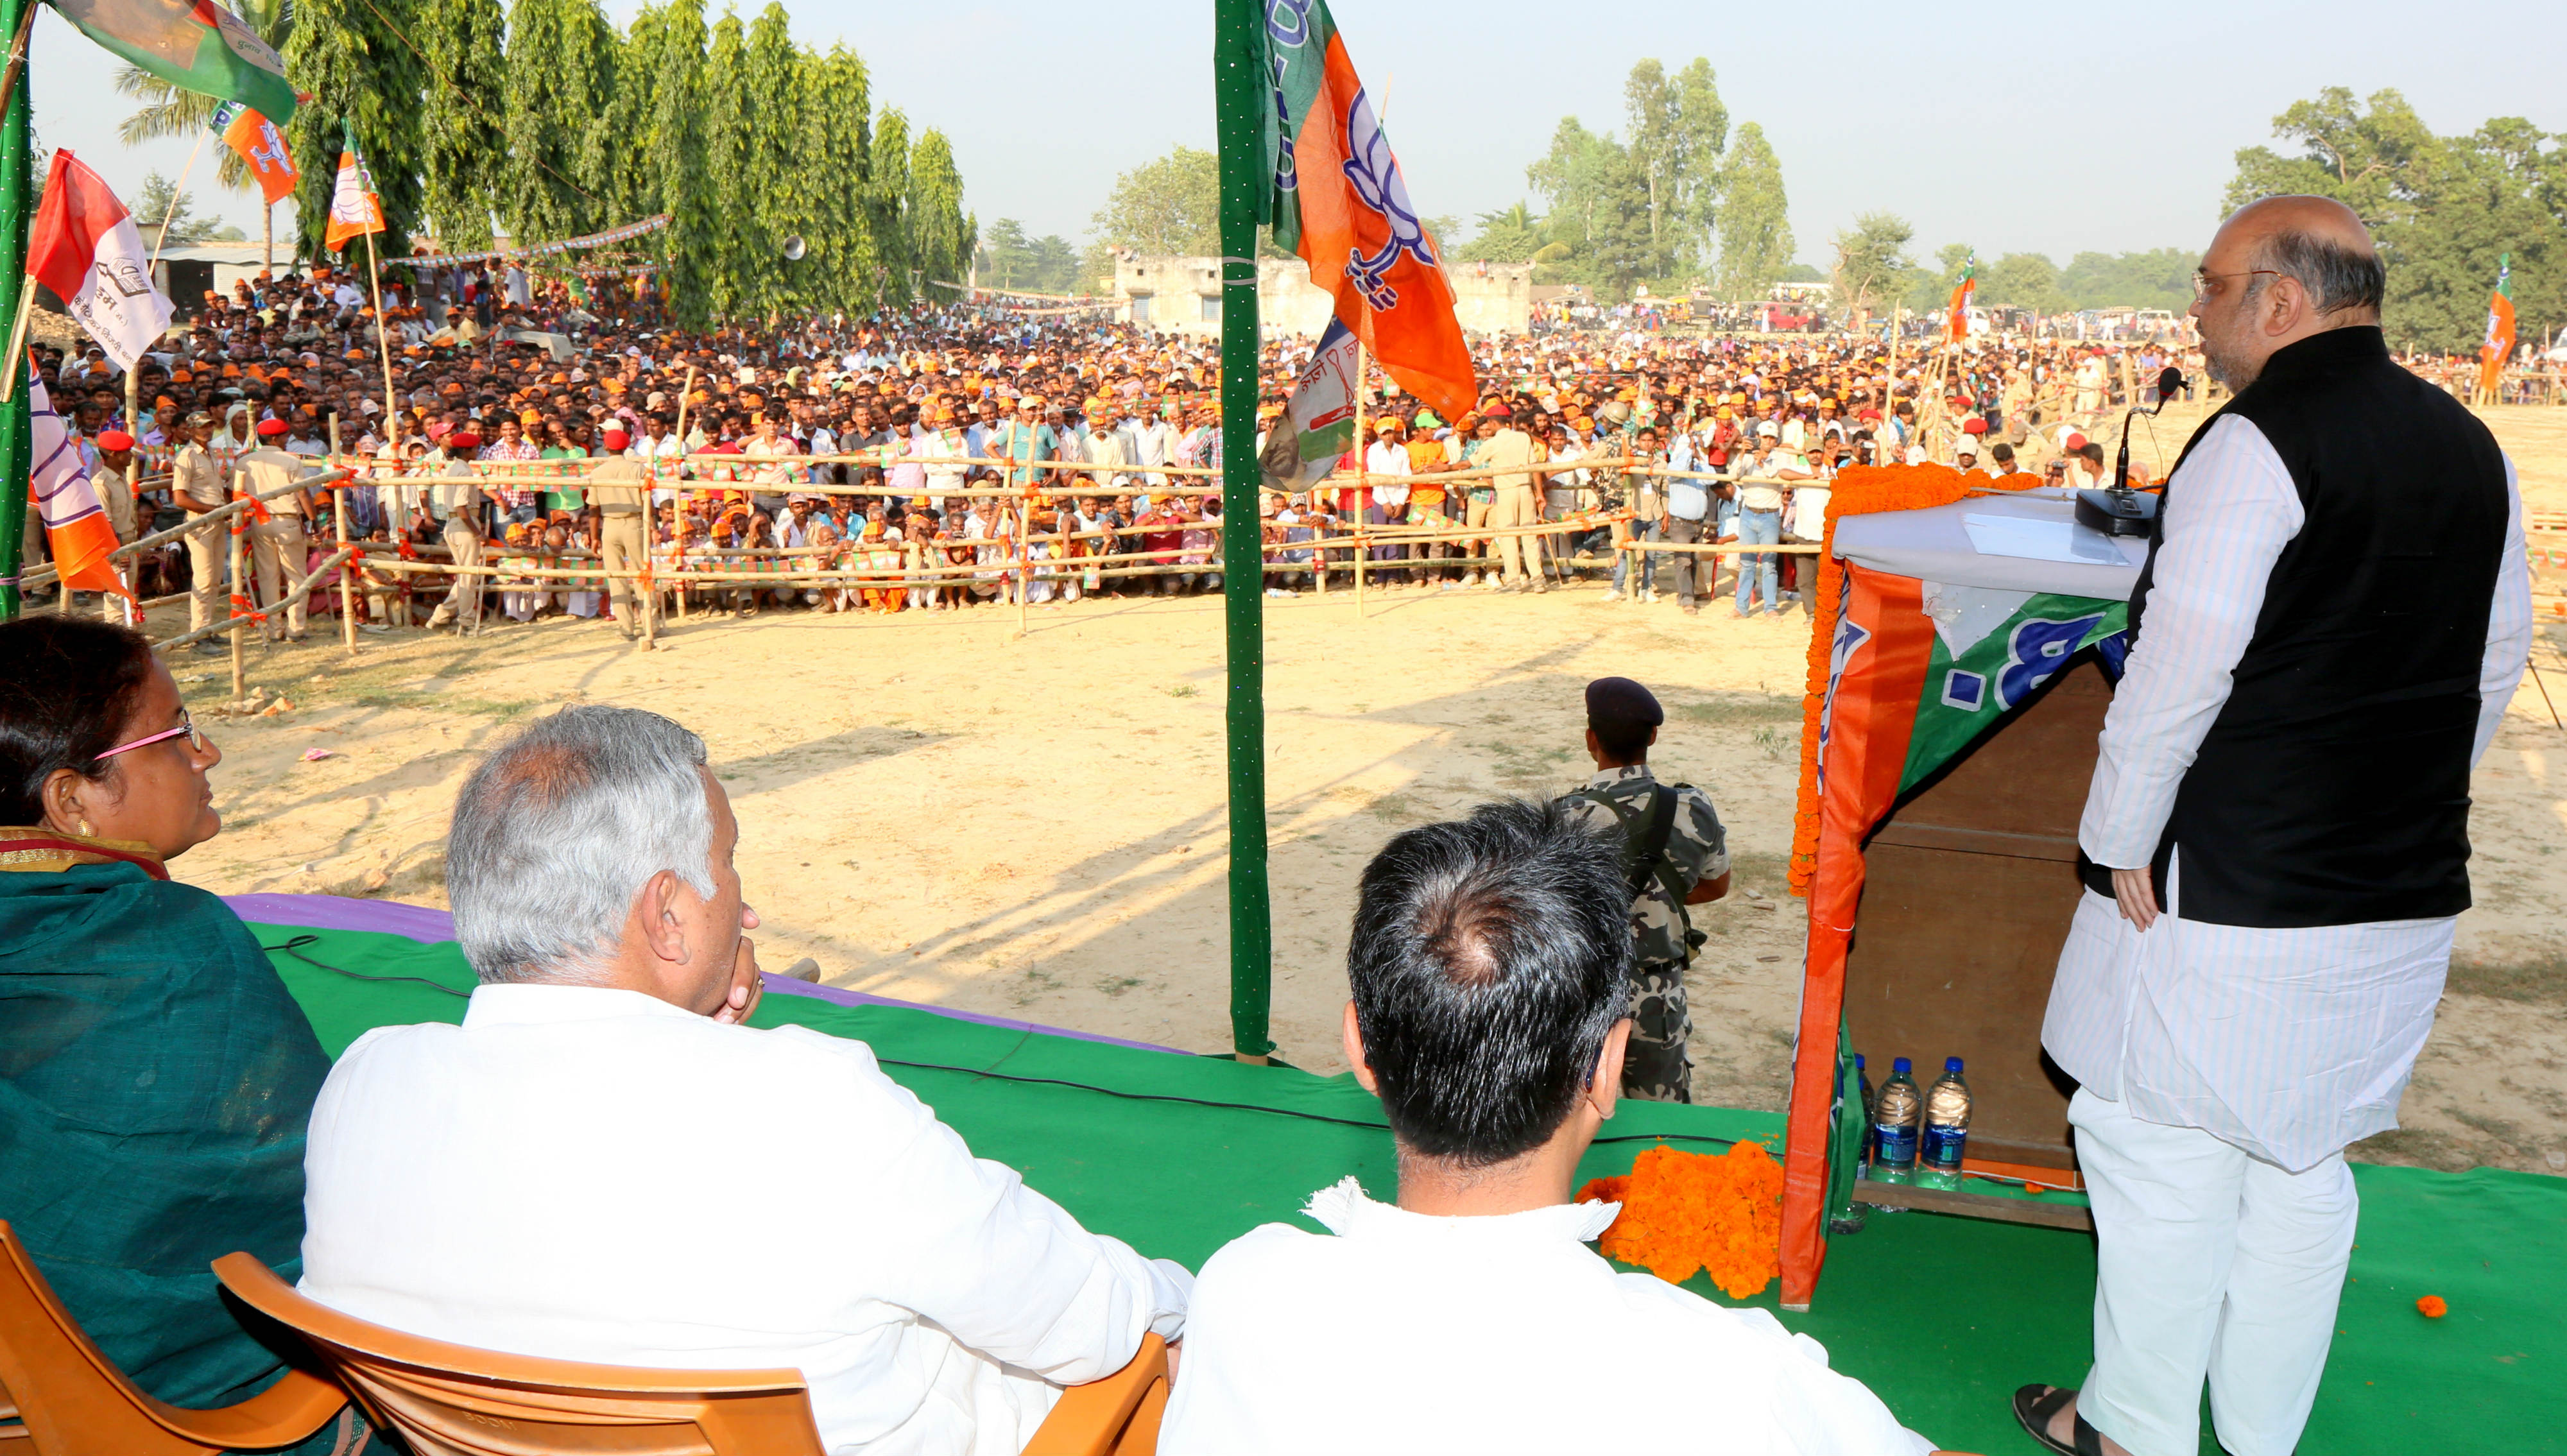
(1947, 1128)
(1896, 1115)
(1863, 1084)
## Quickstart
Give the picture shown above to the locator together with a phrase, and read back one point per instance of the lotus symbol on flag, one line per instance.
(1374, 172)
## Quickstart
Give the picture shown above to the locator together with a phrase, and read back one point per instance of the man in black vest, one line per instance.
(2332, 620)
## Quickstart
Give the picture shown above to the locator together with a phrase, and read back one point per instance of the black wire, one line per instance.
(294, 947)
(990, 1073)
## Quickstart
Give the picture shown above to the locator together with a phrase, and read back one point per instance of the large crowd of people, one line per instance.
(969, 454)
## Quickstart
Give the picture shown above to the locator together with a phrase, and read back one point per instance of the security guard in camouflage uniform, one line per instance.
(1676, 855)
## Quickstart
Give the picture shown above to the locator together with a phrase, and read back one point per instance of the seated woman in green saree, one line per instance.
(155, 1077)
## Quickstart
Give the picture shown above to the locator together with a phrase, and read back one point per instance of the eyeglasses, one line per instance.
(186, 726)
(2201, 281)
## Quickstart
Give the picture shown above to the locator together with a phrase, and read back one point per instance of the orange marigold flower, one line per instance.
(1683, 1212)
(2433, 1307)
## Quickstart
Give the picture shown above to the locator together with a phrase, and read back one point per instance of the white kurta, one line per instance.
(2290, 1044)
(598, 1175)
(1482, 1336)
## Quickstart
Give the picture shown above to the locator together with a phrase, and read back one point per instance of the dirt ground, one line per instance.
(935, 809)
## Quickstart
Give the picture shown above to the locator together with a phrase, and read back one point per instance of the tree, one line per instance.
(2366, 158)
(1168, 205)
(730, 184)
(2023, 280)
(551, 92)
(2158, 278)
(465, 104)
(354, 57)
(887, 198)
(823, 199)
(1930, 291)
(1678, 127)
(941, 238)
(1007, 256)
(1872, 262)
(2442, 209)
(161, 199)
(673, 149)
(1598, 220)
(1756, 223)
(1512, 236)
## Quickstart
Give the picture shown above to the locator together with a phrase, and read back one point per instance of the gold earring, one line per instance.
(86, 831)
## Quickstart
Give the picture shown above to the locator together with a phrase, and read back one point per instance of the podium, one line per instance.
(1969, 651)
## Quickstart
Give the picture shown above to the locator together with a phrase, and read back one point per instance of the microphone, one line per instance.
(2117, 509)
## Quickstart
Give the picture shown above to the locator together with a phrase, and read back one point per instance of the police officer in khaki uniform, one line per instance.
(279, 544)
(197, 483)
(619, 488)
(1676, 855)
(116, 497)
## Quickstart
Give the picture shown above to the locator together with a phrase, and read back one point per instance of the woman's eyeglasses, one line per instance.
(186, 726)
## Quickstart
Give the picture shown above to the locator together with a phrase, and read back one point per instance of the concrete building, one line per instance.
(1183, 295)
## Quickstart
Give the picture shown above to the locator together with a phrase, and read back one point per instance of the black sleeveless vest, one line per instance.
(2333, 786)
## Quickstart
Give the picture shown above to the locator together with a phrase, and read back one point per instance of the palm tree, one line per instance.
(168, 110)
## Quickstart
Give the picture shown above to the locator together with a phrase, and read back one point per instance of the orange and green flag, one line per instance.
(1335, 197)
(2499, 333)
(1957, 324)
(194, 45)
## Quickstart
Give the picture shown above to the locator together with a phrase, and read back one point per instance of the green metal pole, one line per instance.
(17, 427)
(1240, 92)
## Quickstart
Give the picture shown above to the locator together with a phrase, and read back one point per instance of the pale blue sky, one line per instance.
(2011, 126)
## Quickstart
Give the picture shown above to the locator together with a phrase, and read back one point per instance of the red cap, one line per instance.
(271, 427)
(2076, 442)
(1975, 426)
(617, 440)
(115, 439)
(463, 440)
(1499, 412)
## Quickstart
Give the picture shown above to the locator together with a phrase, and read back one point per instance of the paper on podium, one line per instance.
(2039, 540)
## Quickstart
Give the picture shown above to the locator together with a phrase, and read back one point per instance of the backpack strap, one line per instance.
(1644, 841)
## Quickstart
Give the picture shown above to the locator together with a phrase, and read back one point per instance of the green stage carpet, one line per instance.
(1943, 1317)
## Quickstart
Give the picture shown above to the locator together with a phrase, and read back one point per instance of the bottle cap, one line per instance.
(1951, 1064)
(1899, 1065)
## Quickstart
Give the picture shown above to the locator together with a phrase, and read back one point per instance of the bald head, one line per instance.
(2278, 271)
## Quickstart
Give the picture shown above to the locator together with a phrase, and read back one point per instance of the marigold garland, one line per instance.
(1860, 490)
(1687, 1211)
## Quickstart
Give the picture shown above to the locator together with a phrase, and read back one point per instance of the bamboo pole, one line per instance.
(346, 579)
(221, 512)
(299, 587)
(384, 340)
(1363, 489)
(238, 619)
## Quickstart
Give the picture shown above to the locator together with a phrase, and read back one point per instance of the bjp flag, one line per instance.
(76, 525)
(354, 208)
(2499, 333)
(260, 145)
(1335, 197)
(1956, 325)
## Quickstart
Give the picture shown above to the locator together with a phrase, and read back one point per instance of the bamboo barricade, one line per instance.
(346, 579)
(45, 574)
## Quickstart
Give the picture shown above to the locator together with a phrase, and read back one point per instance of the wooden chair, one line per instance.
(59, 1395)
(453, 1400)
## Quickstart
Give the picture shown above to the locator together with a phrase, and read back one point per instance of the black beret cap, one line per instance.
(1621, 703)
